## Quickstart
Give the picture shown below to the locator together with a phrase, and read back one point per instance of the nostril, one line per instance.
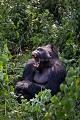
(34, 54)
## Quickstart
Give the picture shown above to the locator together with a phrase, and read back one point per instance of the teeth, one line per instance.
(36, 65)
(35, 55)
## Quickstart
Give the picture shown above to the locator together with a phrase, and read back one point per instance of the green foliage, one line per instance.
(65, 105)
(29, 24)
(24, 25)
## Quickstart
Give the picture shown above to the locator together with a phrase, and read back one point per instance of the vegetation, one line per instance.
(24, 25)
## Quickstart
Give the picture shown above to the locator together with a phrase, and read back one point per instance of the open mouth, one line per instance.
(37, 60)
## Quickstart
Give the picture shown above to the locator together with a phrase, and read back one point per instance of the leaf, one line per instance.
(5, 57)
(1, 65)
(60, 114)
(62, 87)
(6, 48)
(1, 75)
(54, 99)
(17, 34)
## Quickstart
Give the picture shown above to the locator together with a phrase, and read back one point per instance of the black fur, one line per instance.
(45, 71)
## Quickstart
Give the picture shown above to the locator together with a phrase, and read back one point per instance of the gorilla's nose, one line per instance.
(34, 54)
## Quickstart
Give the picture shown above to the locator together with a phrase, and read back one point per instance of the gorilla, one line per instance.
(44, 71)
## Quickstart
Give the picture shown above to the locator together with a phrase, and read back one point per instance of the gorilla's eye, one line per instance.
(40, 49)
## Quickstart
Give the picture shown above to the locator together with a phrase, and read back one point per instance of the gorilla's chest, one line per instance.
(42, 78)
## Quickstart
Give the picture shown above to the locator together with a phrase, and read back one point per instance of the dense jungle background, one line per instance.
(25, 25)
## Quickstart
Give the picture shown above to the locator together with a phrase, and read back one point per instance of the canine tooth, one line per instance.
(35, 55)
(34, 65)
(37, 65)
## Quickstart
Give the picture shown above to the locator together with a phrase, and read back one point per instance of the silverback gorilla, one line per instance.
(45, 71)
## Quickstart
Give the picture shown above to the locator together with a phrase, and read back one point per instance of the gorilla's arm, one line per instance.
(29, 71)
(27, 89)
(53, 85)
(57, 76)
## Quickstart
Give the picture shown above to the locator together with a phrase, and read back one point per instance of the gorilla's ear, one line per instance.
(53, 48)
(50, 46)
